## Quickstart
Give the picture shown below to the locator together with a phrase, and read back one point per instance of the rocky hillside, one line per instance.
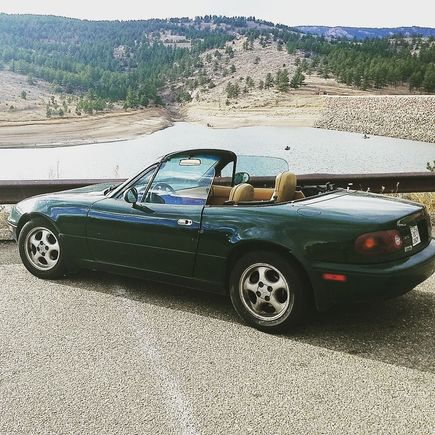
(233, 79)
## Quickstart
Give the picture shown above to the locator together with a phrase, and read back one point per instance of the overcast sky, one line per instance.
(363, 13)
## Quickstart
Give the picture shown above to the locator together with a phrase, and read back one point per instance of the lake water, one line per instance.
(311, 150)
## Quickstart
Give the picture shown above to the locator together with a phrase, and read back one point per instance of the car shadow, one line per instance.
(398, 331)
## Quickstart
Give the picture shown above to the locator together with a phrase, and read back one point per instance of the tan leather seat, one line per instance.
(241, 192)
(263, 193)
(218, 194)
(285, 187)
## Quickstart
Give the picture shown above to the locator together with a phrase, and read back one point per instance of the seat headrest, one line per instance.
(241, 192)
(285, 186)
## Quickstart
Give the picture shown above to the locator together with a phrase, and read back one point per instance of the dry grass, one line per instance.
(425, 198)
(4, 213)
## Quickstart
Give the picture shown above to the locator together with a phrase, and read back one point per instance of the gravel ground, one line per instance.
(95, 353)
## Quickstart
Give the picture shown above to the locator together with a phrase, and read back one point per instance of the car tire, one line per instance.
(268, 291)
(41, 249)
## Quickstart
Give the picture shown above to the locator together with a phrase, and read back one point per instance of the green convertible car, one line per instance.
(191, 219)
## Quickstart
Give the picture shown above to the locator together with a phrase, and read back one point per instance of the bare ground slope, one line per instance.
(254, 106)
(106, 127)
(23, 122)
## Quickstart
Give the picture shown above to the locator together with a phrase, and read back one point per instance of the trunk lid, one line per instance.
(371, 212)
(367, 206)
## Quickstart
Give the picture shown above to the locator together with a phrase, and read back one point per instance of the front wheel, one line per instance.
(268, 291)
(41, 249)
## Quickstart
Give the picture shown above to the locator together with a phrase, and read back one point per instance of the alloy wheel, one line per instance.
(265, 292)
(42, 248)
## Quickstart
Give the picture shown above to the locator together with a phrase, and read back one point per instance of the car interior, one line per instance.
(213, 186)
(284, 190)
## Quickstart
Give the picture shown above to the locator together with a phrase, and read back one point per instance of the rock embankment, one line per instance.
(405, 117)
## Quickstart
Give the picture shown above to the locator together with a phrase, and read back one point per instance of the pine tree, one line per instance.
(298, 79)
(130, 99)
(268, 83)
(429, 79)
(232, 90)
(282, 80)
(250, 82)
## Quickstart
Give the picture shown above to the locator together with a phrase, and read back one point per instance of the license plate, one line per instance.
(415, 235)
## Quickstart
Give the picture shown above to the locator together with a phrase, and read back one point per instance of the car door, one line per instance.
(160, 232)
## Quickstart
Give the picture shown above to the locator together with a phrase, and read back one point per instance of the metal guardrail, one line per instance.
(12, 191)
(402, 182)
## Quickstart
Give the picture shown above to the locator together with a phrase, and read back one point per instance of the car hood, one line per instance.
(87, 193)
(367, 206)
(94, 189)
(82, 196)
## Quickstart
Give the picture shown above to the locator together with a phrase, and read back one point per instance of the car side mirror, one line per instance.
(131, 196)
(241, 177)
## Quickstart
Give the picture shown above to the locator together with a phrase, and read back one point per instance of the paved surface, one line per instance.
(101, 354)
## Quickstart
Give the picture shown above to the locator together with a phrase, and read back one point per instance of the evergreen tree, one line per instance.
(233, 90)
(298, 79)
(429, 79)
(268, 83)
(282, 80)
(250, 82)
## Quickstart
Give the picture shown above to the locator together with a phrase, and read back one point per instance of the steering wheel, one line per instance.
(163, 187)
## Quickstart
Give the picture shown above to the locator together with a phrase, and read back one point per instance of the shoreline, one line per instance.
(72, 143)
(102, 128)
(401, 117)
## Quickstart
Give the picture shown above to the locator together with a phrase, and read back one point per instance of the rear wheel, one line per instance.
(41, 249)
(268, 291)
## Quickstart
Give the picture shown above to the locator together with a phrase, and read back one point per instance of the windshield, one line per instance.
(183, 181)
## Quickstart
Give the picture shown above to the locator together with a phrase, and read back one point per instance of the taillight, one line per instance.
(380, 242)
(339, 277)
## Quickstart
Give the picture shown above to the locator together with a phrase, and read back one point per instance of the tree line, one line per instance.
(127, 60)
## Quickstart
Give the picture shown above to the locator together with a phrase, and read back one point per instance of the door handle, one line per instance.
(184, 222)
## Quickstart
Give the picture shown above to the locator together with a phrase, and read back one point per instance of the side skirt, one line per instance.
(192, 283)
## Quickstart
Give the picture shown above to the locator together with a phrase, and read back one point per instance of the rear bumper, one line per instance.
(372, 282)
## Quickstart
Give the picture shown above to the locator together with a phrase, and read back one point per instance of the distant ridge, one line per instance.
(366, 32)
